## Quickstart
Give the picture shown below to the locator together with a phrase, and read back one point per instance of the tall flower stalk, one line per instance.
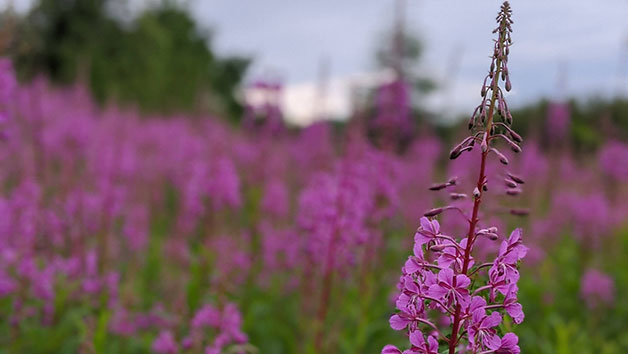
(442, 277)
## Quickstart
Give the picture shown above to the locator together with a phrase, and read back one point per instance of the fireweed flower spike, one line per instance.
(441, 277)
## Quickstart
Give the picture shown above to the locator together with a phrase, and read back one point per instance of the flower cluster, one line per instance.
(597, 288)
(445, 296)
(225, 324)
(7, 85)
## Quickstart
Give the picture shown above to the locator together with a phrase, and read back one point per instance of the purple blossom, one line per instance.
(451, 287)
(509, 344)
(613, 160)
(482, 331)
(438, 276)
(597, 288)
(512, 307)
(504, 271)
(558, 119)
(390, 349)
(7, 284)
(206, 316)
(428, 231)
(421, 346)
(165, 343)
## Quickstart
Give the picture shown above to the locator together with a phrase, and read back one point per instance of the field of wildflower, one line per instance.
(122, 233)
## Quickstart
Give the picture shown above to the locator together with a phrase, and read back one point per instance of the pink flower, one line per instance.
(408, 315)
(450, 287)
(428, 231)
(390, 349)
(512, 307)
(504, 270)
(415, 263)
(420, 346)
(481, 330)
(509, 344)
(206, 316)
(597, 288)
(165, 343)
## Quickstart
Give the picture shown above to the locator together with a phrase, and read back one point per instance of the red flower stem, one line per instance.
(476, 204)
(467, 253)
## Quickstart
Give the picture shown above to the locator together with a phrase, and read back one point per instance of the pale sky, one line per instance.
(288, 38)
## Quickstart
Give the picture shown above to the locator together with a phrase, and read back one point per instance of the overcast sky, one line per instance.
(288, 38)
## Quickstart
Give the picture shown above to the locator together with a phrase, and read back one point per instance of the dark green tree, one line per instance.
(160, 61)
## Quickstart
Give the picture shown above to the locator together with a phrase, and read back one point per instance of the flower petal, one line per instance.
(417, 339)
(492, 341)
(397, 322)
(390, 349)
(493, 320)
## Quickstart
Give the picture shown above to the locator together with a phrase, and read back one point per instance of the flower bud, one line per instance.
(437, 187)
(510, 183)
(508, 84)
(516, 137)
(501, 156)
(438, 248)
(476, 192)
(515, 178)
(433, 212)
(491, 236)
(519, 212)
(466, 148)
(454, 153)
(513, 191)
(513, 146)
(457, 196)
(460, 148)
(490, 233)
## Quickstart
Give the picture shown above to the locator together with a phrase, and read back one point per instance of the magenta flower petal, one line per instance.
(493, 320)
(492, 341)
(397, 322)
(417, 339)
(390, 349)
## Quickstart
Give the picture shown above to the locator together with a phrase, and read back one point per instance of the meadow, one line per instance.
(178, 235)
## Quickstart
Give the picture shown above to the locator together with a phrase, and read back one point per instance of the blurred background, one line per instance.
(175, 173)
